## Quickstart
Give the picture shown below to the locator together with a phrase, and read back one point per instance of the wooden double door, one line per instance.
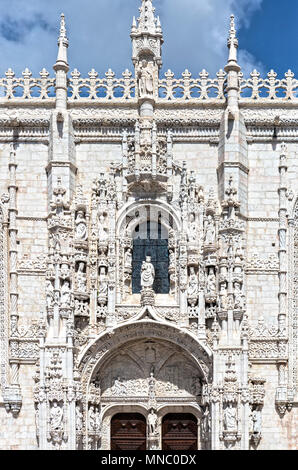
(129, 431)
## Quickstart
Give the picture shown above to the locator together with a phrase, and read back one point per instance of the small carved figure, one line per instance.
(211, 283)
(65, 295)
(56, 416)
(223, 296)
(128, 259)
(152, 423)
(210, 231)
(102, 282)
(49, 293)
(192, 232)
(81, 226)
(81, 278)
(193, 283)
(230, 419)
(79, 418)
(92, 418)
(256, 418)
(206, 422)
(145, 79)
(239, 297)
(148, 273)
(102, 233)
(98, 421)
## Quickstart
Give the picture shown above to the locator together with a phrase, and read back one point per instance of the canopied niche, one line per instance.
(151, 239)
(148, 229)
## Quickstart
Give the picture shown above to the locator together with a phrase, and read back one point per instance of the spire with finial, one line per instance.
(233, 46)
(147, 21)
(62, 46)
(147, 28)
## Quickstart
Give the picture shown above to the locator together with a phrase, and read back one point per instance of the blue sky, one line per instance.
(195, 33)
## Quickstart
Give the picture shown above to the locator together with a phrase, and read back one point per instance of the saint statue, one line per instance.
(92, 418)
(239, 297)
(102, 234)
(102, 282)
(65, 294)
(230, 420)
(49, 293)
(81, 226)
(211, 283)
(256, 418)
(152, 422)
(192, 232)
(145, 79)
(193, 283)
(148, 273)
(81, 278)
(210, 231)
(79, 418)
(128, 259)
(56, 416)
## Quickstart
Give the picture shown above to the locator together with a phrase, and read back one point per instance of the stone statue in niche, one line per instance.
(56, 416)
(147, 274)
(211, 282)
(256, 421)
(192, 232)
(230, 418)
(102, 232)
(193, 284)
(145, 77)
(206, 423)
(152, 423)
(65, 295)
(49, 293)
(102, 282)
(128, 259)
(223, 296)
(239, 302)
(92, 419)
(79, 418)
(81, 226)
(81, 278)
(210, 231)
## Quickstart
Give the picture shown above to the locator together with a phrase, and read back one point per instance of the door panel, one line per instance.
(179, 432)
(128, 432)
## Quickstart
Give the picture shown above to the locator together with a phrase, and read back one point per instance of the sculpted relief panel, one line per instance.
(149, 368)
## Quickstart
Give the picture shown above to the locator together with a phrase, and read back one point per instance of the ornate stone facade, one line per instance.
(148, 252)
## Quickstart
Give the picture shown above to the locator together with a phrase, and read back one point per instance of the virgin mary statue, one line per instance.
(148, 273)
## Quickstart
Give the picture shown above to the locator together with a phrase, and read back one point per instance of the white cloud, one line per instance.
(195, 33)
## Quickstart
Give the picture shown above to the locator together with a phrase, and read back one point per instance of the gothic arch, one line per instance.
(133, 215)
(95, 361)
(130, 209)
(96, 352)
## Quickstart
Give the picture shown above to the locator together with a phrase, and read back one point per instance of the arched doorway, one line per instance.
(128, 431)
(179, 432)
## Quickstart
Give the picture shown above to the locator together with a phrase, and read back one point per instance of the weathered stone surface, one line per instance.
(212, 176)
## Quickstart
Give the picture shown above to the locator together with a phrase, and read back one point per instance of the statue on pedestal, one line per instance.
(147, 273)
